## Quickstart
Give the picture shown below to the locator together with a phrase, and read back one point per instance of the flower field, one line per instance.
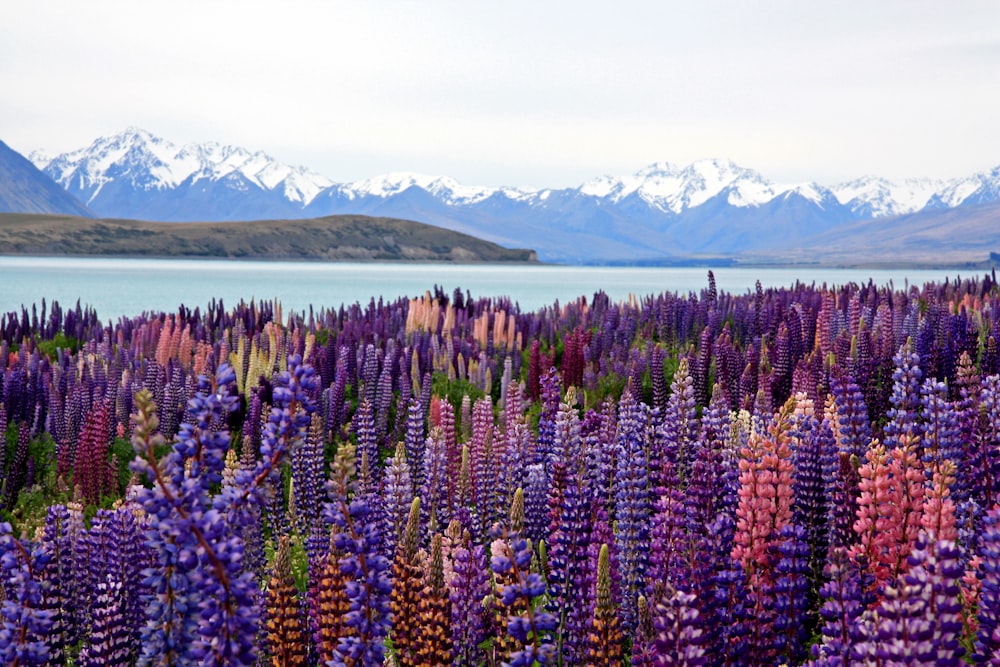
(792, 476)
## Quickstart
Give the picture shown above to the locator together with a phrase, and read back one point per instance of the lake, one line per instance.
(124, 287)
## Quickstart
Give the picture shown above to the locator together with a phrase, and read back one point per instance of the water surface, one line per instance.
(124, 287)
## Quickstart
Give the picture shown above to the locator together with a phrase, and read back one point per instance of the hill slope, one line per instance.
(26, 189)
(345, 237)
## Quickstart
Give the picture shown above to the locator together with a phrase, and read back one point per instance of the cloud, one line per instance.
(518, 92)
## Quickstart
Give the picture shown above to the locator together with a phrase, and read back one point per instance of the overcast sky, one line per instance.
(519, 93)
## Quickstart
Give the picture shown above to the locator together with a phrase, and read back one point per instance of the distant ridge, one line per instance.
(26, 189)
(658, 214)
(336, 238)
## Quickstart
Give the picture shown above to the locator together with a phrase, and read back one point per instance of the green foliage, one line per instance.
(453, 391)
(323, 336)
(299, 560)
(122, 454)
(611, 386)
(59, 341)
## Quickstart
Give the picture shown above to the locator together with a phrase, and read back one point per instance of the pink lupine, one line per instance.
(765, 495)
(939, 509)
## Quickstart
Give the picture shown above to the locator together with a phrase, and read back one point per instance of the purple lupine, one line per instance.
(336, 411)
(568, 568)
(675, 442)
(533, 629)
(59, 591)
(25, 624)
(942, 437)
(109, 643)
(987, 641)
(812, 442)
(436, 480)
(308, 474)
(678, 635)
(469, 586)
(17, 469)
(905, 400)
(632, 503)
(792, 595)
(566, 443)
(129, 557)
(920, 621)
(398, 496)
(481, 461)
(363, 424)
(414, 440)
(844, 600)
(549, 386)
(356, 538)
(193, 532)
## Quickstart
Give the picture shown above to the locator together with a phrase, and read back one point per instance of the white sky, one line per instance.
(540, 93)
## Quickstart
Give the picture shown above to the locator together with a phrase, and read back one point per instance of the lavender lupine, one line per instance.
(59, 591)
(903, 416)
(469, 586)
(632, 504)
(415, 441)
(364, 428)
(436, 479)
(307, 477)
(569, 585)
(398, 494)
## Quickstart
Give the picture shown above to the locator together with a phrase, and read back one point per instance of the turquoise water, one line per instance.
(124, 287)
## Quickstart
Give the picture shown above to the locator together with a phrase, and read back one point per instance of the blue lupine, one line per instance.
(532, 629)
(356, 538)
(25, 624)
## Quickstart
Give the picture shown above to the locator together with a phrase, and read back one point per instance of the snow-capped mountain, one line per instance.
(129, 174)
(660, 211)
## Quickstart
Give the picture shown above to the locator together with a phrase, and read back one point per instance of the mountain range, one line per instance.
(660, 214)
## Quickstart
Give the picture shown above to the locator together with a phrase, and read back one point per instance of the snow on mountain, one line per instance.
(676, 189)
(446, 189)
(877, 197)
(712, 205)
(147, 162)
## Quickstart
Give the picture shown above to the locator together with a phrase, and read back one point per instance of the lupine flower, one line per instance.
(286, 628)
(407, 589)
(109, 644)
(468, 589)
(329, 606)
(604, 637)
(433, 642)
(368, 586)
(632, 504)
(532, 628)
(765, 505)
(24, 621)
(679, 637)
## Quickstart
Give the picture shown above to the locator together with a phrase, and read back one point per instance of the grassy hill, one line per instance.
(334, 238)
